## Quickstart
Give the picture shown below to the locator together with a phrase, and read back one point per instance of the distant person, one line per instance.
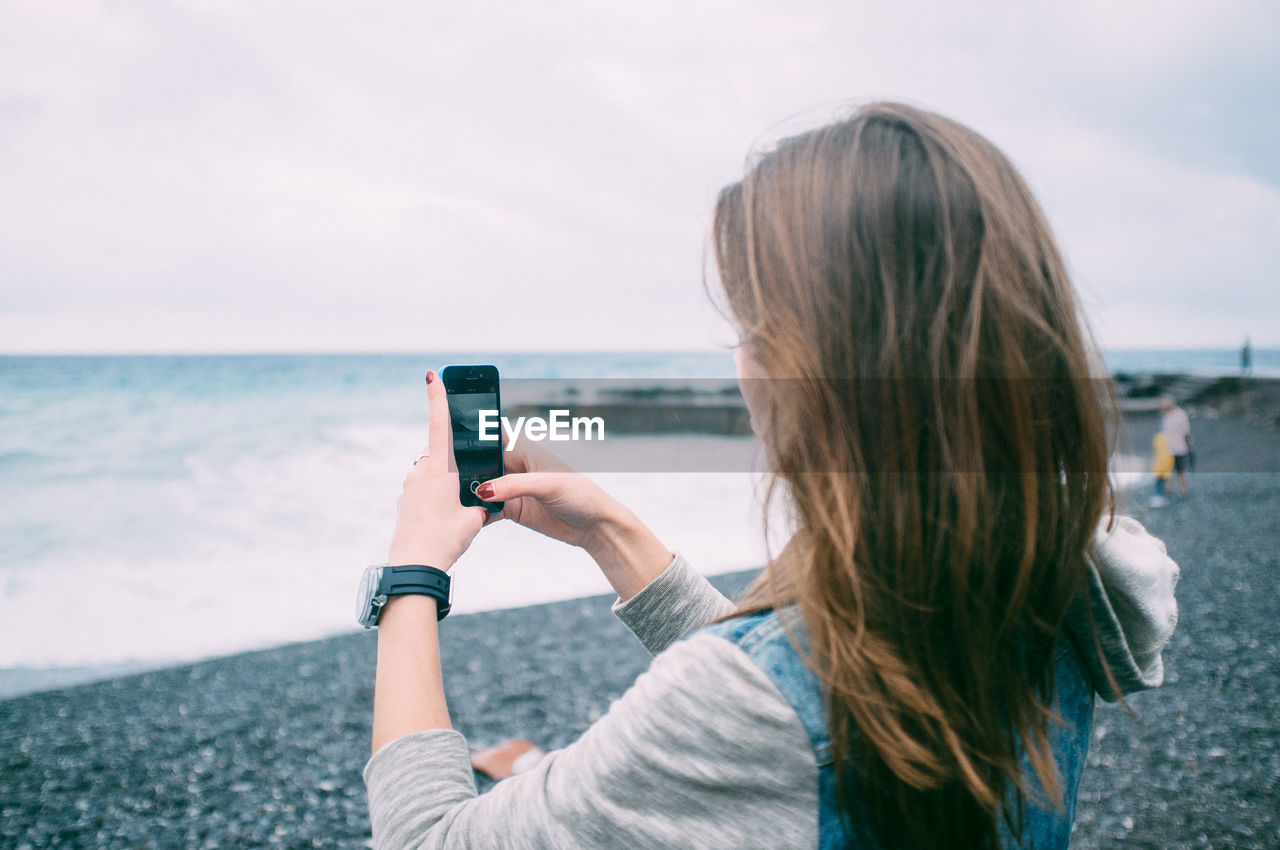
(1162, 466)
(1177, 429)
(1246, 358)
(917, 667)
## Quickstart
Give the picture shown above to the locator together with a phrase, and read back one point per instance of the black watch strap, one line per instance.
(427, 581)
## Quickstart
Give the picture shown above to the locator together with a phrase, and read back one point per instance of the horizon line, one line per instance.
(348, 352)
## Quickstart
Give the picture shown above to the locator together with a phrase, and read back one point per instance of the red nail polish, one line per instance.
(485, 491)
(431, 376)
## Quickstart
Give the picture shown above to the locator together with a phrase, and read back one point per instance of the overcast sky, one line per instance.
(312, 176)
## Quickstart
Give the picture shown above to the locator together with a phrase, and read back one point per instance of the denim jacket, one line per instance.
(765, 640)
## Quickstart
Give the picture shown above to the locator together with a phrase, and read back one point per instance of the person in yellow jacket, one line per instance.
(1163, 469)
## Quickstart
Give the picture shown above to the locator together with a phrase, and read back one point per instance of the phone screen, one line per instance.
(472, 391)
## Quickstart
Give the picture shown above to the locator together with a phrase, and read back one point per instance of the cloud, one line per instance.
(216, 176)
(1164, 255)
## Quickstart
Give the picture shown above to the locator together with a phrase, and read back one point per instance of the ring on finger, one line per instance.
(420, 457)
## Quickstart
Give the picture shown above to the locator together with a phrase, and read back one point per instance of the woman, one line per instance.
(918, 667)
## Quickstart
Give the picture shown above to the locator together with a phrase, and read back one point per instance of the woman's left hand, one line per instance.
(432, 527)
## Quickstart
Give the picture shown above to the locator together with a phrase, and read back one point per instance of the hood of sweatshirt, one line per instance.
(1131, 604)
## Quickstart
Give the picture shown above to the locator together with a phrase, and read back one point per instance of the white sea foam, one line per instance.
(266, 548)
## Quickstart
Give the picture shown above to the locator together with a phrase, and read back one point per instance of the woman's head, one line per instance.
(921, 384)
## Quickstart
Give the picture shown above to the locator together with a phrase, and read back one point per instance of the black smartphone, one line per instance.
(475, 410)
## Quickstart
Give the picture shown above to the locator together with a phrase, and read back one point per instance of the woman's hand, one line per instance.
(432, 527)
(542, 493)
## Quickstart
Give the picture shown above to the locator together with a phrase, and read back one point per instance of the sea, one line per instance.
(157, 510)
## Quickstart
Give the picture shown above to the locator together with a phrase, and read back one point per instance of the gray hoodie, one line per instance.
(703, 751)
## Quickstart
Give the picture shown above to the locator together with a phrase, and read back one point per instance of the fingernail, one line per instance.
(431, 375)
(485, 491)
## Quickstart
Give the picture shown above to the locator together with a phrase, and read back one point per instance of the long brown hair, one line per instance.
(941, 447)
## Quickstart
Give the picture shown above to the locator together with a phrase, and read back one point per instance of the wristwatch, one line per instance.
(381, 582)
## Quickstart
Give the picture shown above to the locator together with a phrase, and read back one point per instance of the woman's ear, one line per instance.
(755, 389)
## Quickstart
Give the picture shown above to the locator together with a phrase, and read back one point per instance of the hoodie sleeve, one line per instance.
(1131, 602)
(671, 606)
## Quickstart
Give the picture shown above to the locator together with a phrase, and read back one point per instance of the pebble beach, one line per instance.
(265, 749)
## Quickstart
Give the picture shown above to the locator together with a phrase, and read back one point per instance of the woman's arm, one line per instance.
(408, 694)
(627, 552)
(432, 529)
(702, 752)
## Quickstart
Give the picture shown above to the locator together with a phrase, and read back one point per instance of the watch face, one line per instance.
(364, 597)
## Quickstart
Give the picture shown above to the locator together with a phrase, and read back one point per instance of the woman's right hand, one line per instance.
(542, 493)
